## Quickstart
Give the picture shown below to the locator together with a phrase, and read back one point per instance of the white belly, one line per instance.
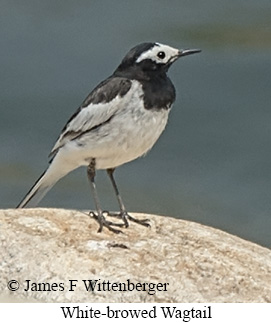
(135, 137)
(130, 134)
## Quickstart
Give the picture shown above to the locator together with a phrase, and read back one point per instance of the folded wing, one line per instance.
(98, 108)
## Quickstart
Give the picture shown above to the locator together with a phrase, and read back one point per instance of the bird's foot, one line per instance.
(125, 217)
(104, 223)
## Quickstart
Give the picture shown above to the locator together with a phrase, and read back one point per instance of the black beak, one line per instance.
(181, 53)
(185, 52)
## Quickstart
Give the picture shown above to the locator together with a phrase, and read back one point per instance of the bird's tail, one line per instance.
(37, 192)
(46, 181)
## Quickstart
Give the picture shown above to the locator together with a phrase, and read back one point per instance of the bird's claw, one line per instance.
(104, 223)
(125, 217)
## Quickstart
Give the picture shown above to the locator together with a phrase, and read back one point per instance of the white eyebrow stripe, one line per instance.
(145, 55)
(170, 51)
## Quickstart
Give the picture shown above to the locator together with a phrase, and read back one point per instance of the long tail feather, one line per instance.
(58, 168)
(38, 191)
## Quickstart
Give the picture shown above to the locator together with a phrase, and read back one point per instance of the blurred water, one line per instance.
(212, 164)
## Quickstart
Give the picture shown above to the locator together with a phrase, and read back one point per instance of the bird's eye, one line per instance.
(161, 55)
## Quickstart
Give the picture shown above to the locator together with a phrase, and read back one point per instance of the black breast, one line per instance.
(159, 93)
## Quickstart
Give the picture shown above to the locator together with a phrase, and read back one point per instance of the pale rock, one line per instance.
(199, 263)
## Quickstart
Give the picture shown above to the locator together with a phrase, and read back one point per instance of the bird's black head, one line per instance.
(148, 58)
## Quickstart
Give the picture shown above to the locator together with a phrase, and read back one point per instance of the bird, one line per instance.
(119, 121)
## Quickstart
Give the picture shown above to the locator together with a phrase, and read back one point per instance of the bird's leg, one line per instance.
(123, 213)
(99, 218)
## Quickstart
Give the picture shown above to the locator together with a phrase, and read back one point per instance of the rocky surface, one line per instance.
(173, 260)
